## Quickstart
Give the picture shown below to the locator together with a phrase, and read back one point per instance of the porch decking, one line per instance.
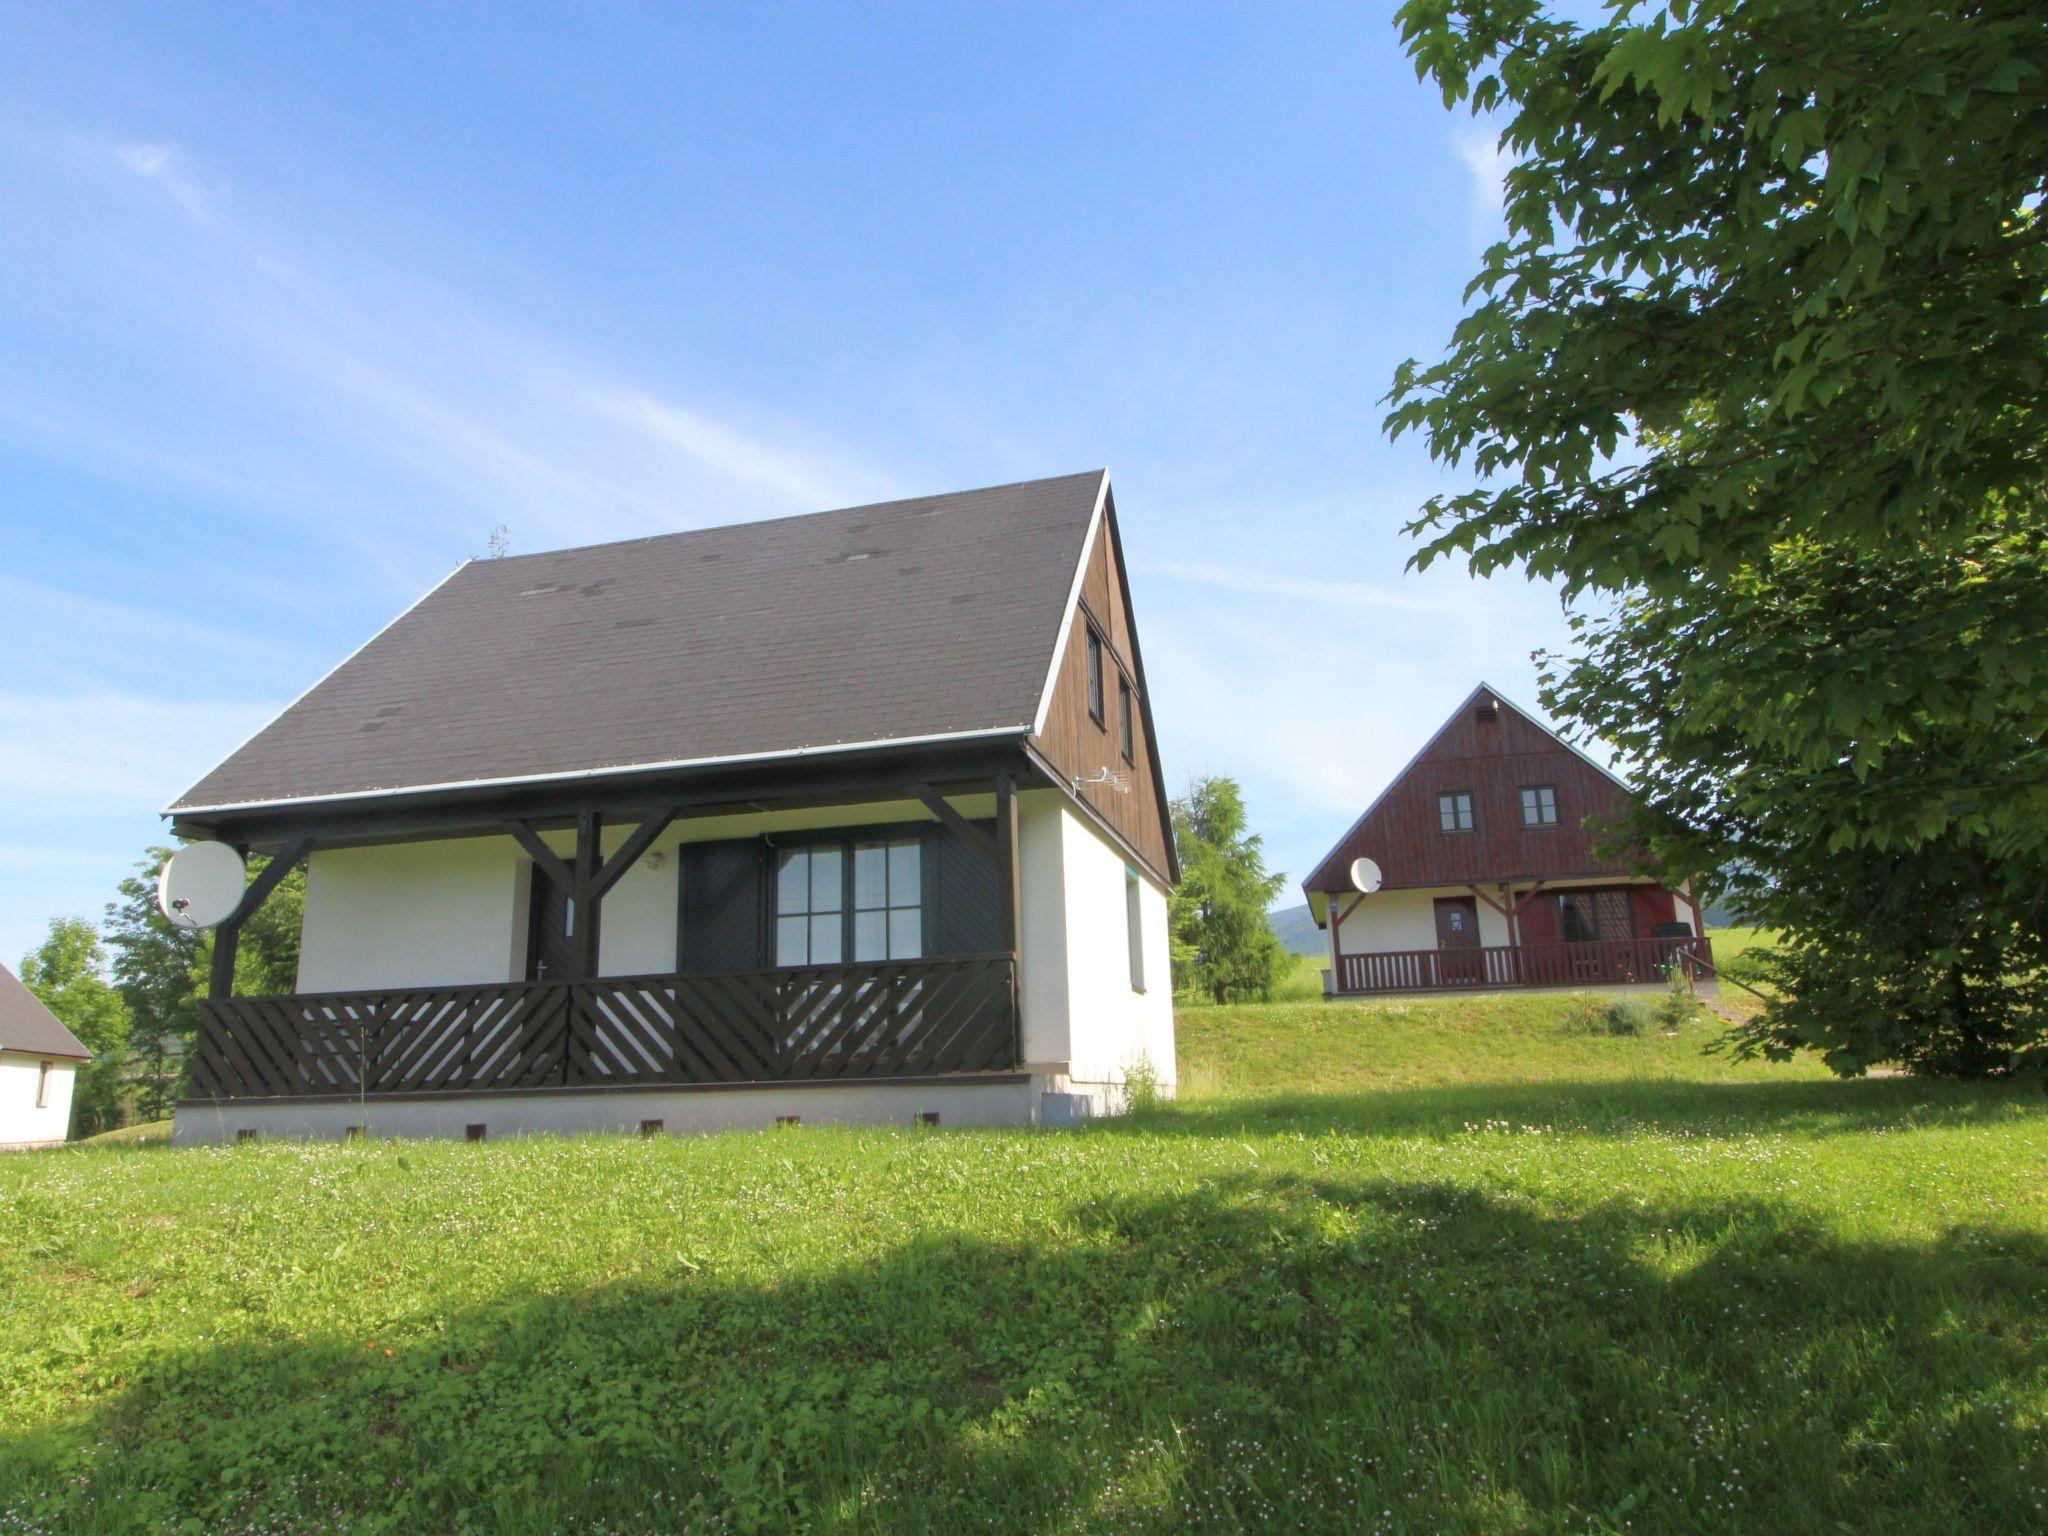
(890, 1019)
(1607, 962)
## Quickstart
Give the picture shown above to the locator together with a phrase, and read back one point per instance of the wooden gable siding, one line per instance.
(1072, 741)
(1492, 762)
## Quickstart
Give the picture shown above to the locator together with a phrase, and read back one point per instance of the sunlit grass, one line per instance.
(1395, 1266)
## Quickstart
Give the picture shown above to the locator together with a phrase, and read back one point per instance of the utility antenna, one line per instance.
(1109, 776)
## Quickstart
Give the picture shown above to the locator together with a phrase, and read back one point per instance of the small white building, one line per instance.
(853, 817)
(39, 1062)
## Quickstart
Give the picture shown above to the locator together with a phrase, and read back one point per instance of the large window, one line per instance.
(1454, 811)
(860, 900)
(888, 900)
(1539, 805)
(1123, 718)
(1095, 677)
(810, 905)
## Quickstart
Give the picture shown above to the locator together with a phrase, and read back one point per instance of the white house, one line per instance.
(848, 817)
(39, 1062)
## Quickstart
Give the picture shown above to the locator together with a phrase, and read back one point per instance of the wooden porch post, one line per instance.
(583, 892)
(1009, 898)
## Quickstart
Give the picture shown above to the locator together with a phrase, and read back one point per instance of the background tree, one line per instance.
(1223, 947)
(67, 971)
(1758, 375)
(162, 971)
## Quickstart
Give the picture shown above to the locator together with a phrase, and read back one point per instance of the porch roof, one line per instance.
(931, 620)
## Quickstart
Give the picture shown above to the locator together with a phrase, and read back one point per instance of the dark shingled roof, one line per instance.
(27, 1026)
(895, 622)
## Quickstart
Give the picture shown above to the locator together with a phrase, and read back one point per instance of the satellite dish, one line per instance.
(201, 885)
(1365, 876)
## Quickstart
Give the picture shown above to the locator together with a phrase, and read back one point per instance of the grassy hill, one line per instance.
(1398, 1267)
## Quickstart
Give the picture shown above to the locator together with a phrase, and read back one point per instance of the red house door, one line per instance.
(1458, 961)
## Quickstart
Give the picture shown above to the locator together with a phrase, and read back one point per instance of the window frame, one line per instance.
(1097, 708)
(847, 841)
(1539, 790)
(1126, 736)
(1460, 805)
(45, 1070)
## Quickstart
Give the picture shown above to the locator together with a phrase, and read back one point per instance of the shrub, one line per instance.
(1614, 1016)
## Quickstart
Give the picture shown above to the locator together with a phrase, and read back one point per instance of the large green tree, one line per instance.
(1758, 374)
(68, 972)
(1223, 947)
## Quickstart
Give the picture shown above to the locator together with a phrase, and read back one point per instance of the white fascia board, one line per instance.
(1059, 644)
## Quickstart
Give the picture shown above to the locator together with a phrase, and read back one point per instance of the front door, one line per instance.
(547, 930)
(1458, 960)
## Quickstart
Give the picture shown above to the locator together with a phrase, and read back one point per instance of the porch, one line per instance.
(886, 1020)
(1593, 963)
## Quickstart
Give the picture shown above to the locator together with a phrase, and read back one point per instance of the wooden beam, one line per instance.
(976, 840)
(544, 857)
(272, 877)
(583, 892)
(1497, 906)
(227, 934)
(1010, 902)
(1008, 865)
(630, 852)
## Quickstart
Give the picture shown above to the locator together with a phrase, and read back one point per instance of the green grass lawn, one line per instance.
(1401, 1266)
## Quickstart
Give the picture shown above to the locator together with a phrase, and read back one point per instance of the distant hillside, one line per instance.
(1297, 930)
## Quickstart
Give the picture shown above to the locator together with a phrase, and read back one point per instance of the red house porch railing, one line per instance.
(899, 1018)
(1605, 962)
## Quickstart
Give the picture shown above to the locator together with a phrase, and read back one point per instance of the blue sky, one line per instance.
(298, 303)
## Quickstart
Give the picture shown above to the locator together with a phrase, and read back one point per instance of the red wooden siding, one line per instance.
(1074, 743)
(1492, 761)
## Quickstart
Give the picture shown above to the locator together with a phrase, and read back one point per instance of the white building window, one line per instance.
(1134, 929)
(43, 1084)
(810, 906)
(863, 900)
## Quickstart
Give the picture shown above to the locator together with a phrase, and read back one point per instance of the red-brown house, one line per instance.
(1479, 870)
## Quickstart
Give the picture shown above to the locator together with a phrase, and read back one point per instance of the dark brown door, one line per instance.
(1457, 940)
(547, 931)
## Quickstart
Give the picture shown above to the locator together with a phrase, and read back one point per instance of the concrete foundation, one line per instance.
(1032, 1096)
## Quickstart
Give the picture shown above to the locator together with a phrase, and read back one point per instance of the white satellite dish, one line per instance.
(201, 885)
(1365, 876)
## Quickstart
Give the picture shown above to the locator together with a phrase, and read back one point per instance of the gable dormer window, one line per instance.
(1454, 811)
(1095, 710)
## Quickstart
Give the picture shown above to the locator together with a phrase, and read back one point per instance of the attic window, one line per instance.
(1095, 678)
(1486, 711)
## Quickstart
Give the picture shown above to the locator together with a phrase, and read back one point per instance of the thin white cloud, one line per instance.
(713, 444)
(168, 167)
(109, 752)
(1486, 162)
(501, 421)
(1345, 594)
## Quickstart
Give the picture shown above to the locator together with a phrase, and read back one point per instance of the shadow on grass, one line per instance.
(1255, 1353)
(1603, 1106)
